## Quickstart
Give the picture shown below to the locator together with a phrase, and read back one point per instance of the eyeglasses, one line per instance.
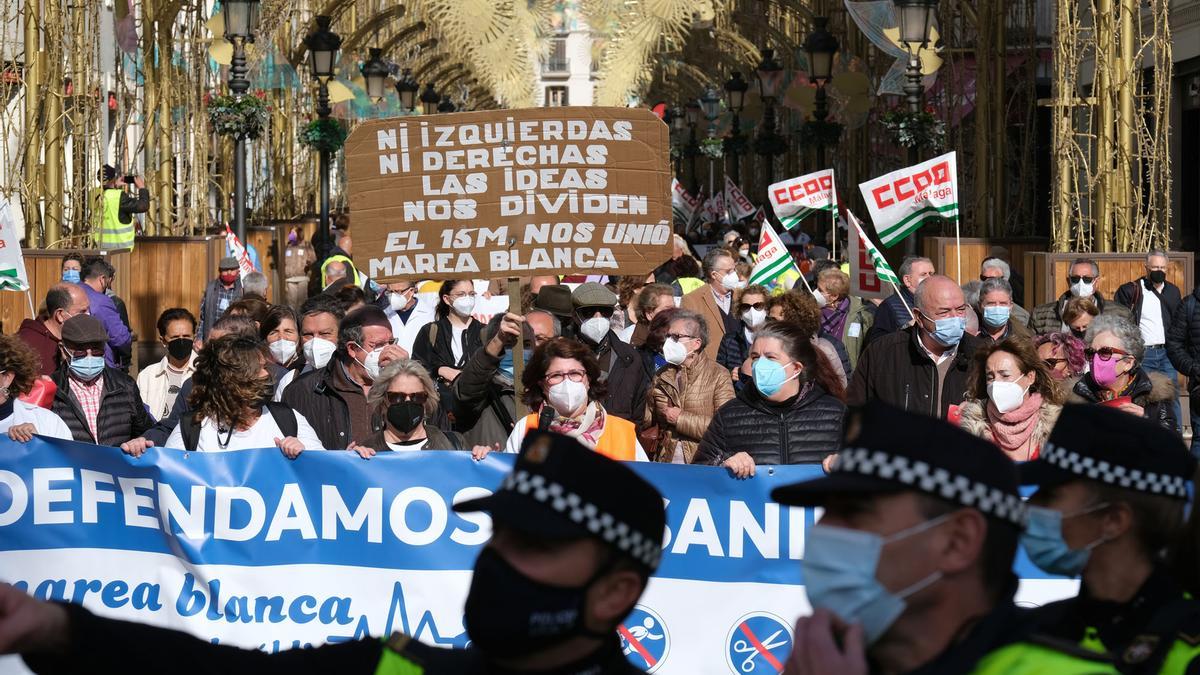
(1053, 363)
(1105, 353)
(572, 375)
(464, 294)
(381, 345)
(80, 353)
(680, 336)
(984, 277)
(394, 397)
(1076, 279)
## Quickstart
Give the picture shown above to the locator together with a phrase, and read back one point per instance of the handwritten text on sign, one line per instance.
(511, 192)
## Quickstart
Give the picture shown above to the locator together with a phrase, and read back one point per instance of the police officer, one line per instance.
(575, 538)
(1110, 508)
(117, 207)
(910, 568)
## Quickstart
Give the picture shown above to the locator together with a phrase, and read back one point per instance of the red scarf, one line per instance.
(1013, 429)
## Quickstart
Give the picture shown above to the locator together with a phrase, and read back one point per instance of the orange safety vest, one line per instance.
(619, 440)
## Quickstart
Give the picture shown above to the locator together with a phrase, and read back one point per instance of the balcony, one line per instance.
(555, 68)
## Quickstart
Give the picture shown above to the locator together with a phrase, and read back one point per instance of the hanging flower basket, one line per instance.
(238, 118)
(323, 134)
(823, 134)
(915, 130)
(712, 148)
(677, 151)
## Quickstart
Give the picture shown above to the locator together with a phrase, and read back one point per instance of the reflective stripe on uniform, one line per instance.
(1180, 658)
(392, 662)
(1023, 658)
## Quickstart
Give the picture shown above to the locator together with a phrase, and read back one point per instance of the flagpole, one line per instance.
(958, 247)
(833, 232)
(32, 311)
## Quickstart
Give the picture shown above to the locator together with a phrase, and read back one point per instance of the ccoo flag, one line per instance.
(882, 269)
(903, 200)
(12, 260)
(683, 205)
(739, 205)
(773, 259)
(798, 198)
(239, 252)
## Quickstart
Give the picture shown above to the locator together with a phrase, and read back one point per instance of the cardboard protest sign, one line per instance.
(507, 193)
(798, 198)
(901, 201)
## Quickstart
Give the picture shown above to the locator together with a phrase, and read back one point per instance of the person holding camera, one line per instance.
(117, 207)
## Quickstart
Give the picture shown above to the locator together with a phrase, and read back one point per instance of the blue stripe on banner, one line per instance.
(257, 508)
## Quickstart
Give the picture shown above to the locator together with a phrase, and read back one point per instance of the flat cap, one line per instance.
(228, 263)
(83, 329)
(593, 294)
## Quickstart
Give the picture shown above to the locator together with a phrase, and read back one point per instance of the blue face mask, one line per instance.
(71, 276)
(506, 361)
(839, 575)
(996, 316)
(949, 331)
(87, 367)
(770, 376)
(1044, 544)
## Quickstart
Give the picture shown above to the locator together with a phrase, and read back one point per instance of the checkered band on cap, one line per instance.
(603, 525)
(933, 480)
(1114, 474)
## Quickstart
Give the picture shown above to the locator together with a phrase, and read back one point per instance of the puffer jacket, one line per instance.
(1155, 392)
(1047, 317)
(803, 431)
(973, 419)
(1183, 344)
(122, 415)
(698, 389)
(484, 408)
(895, 369)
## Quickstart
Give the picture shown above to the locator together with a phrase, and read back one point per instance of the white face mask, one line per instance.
(753, 318)
(730, 281)
(464, 305)
(595, 328)
(1083, 289)
(396, 301)
(674, 352)
(371, 364)
(318, 351)
(1006, 396)
(566, 397)
(282, 351)
(820, 298)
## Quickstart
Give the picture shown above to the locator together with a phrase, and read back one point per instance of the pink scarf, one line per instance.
(586, 429)
(1013, 429)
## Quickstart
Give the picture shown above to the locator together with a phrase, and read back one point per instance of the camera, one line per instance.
(129, 179)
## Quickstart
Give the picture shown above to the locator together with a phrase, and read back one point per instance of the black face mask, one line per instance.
(1078, 333)
(1157, 277)
(406, 415)
(180, 348)
(508, 614)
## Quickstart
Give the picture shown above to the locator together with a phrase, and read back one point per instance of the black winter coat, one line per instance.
(627, 382)
(437, 352)
(804, 430)
(122, 414)
(314, 396)
(1130, 295)
(891, 316)
(1155, 392)
(1183, 343)
(896, 370)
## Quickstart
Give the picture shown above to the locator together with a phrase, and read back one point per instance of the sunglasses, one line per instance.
(1053, 363)
(757, 305)
(1076, 279)
(394, 397)
(1105, 353)
(586, 313)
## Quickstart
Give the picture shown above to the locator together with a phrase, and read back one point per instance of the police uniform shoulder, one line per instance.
(1189, 625)
(1067, 647)
(434, 660)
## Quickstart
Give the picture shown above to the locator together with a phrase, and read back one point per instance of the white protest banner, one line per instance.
(239, 252)
(509, 193)
(864, 282)
(901, 201)
(798, 198)
(12, 261)
(739, 205)
(683, 205)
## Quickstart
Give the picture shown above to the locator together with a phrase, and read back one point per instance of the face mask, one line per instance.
(406, 415)
(371, 364)
(1079, 333)
(996, 316)
(509, 614)
(595, 328)
(397, 302)
(71, 276)
(730, 281)
(1105, 372)
(464, 305)
(770, 376)
(674, 352)
(179, 348)
(1006, 396)
(506, 361)
(87, 368)
(1158, 277)
(292, 239)
(753, 318)
(282, 351)
(228, 277)
(1083, 289)
(949, 331)
(745, 253)
(839, 575)
(318, 351)
(566, 397)
(820, 298)
(742, 283)
(1045, 546)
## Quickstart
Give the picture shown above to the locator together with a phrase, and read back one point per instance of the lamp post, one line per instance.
(916, 18)
(375, 72)
(710, 103)
(429, 100)
(241, 16)
(678, 122)
(735, 100)
(821, 46)
(769, 140)
(407, 89)
(323, 45)
(692, 115)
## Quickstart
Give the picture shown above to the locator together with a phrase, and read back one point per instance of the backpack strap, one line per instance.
(190, 432)
(285, 418)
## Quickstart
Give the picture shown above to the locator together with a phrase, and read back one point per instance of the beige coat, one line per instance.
(698, 389)
(702, 302)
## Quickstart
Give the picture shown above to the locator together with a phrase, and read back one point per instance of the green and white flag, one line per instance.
(12, 261)
(773, 259)
(798, 198)
(903, 200)
(882, 269)
(683, 205)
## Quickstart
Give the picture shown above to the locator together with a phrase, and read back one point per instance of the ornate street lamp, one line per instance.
(429, 100)
(692, 115)
(241, 17)
(710, 103)
(375, 72)
(407, 89)
(769, 143)
(768, 76)
(821, 46)
(323, 45)
(916, 18)
(735, 100)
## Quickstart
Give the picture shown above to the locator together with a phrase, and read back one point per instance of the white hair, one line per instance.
(997, 264)
(256, 283)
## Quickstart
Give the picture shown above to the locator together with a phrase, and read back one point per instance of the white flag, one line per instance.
(714, 209)
(235, 246)
(903, 200)
(683, 205)
(739, 205)
(773, 260)
(12, 260)
(798, 198)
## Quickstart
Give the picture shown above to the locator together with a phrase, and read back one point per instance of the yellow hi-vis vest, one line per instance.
(114, 233)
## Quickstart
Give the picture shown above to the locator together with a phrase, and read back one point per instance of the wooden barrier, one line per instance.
(1048, 279)
(44, 269)
(170, 272)
(944, 254)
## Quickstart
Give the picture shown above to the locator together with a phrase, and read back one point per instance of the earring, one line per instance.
(4, 394)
